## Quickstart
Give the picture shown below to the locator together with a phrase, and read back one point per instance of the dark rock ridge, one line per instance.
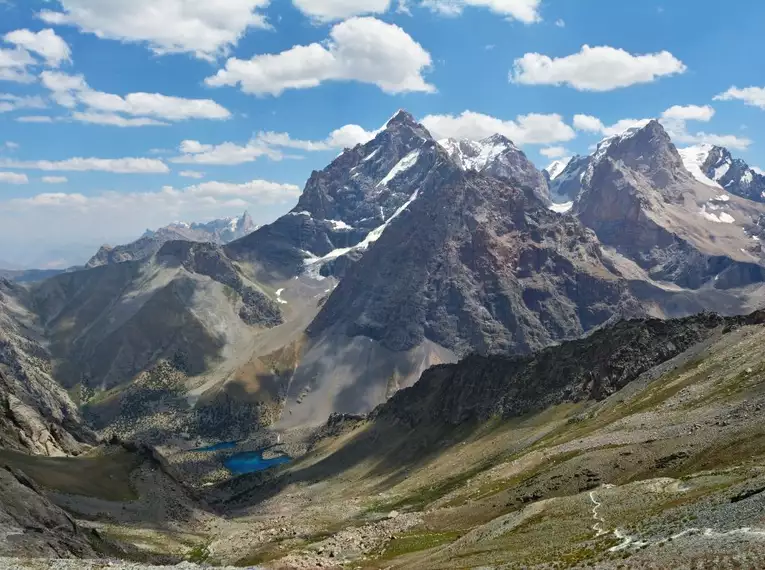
(208, 259)
(476, 264)
(36, 528)
(36, 414)
(219, 232)
(640, 199)
(592, 368)
(734, 175)
(343, 203)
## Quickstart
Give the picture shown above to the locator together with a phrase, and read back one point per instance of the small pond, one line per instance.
(248, 461)
(253, 462)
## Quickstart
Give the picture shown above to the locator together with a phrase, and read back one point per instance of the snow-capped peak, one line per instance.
(477, 155)
(556, 167)
(694, 158)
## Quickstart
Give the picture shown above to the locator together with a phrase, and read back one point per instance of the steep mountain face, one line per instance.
(640, 199)
(36, 414)
(498, 157)
(475, 264)
(344, 206)
(718, 168)
(219, 232)
(565, 179)
(479, 388)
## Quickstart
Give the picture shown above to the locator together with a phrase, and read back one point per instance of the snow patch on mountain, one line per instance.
(694, 158)
(721, 218)
(476, 155)
(557, 167)
(314, 263)
(402, 166)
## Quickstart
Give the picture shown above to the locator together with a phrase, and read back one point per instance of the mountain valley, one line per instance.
(449, 355)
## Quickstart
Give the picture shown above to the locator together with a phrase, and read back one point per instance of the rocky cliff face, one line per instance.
(36, 414)
(475, 263)
(640, 199)
(479, 388)
(345, 203)
(731, 174)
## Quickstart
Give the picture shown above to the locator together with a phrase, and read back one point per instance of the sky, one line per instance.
(122, 115)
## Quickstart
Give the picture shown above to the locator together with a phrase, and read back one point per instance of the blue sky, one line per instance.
(122, 115)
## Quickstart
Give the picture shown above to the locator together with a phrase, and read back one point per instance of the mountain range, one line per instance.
(403, 253)
(218, 232)
(418, 284)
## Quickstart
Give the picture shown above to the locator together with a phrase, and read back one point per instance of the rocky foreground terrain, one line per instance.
(640, 446)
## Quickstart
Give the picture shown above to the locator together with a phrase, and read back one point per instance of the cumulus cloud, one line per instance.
(359, 49)
(13, 178)
(555, 152)
(758, 170)
(14, 64)
(601, 68)
(689, 113)
(206, 29)
(114, 165)
(9, 102)
(34, 119)
(71, 91)
(55, 179)
(754, 96)
(674, 120)
(192, 174)
(592, 124)
(78, 224)
(46, 43)
(525, 129)
(326, 10)
(227, 153)
(347, 136)
(114, 120)
(526, 11)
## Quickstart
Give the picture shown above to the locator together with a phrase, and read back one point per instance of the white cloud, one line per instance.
(115, 120)
(754, 96)
(526, 11)
(77, 224)
(588, 123)
(360, 49)
(206, 29)
(9, 102)
(601, 68)
(680, 135)
(55, 179)
(12, 145)
(115, 165)
(45, 43)
(14, 64)
(103, 108)
(674, 121)
(555, 152)
(347, 136)
(34, 119)
(260, 189)
(228, 153)
(689, 113)
(525, 129)
(13, 178)
(592, 124)
(758, 170)
(192, 174)
(560, 23)
(326, 10)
